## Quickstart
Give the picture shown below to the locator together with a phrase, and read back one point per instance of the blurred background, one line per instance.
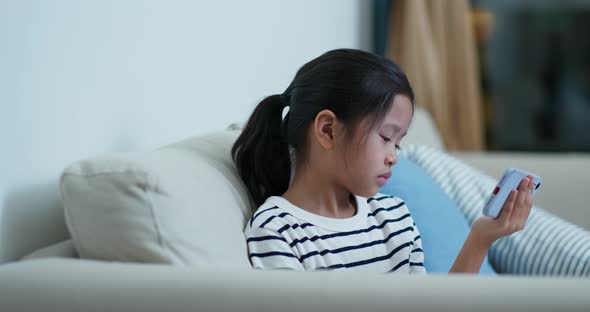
(496, 75)
(535, 64)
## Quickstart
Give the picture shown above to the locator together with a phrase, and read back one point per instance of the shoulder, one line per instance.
(269, 216)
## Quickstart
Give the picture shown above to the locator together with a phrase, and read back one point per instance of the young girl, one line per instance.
(314, 173)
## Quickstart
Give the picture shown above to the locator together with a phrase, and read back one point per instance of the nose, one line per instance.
(391, 158)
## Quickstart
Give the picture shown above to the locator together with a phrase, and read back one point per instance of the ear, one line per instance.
(324, 129)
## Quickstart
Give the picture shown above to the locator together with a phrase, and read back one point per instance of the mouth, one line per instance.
(384, 177)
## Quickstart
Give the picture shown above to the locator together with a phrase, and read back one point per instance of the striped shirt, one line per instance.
(380, 237)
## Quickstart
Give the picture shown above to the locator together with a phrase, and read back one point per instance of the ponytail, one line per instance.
(261, 152)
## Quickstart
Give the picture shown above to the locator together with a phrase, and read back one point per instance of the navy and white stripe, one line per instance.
(548, 245)
(383, 239)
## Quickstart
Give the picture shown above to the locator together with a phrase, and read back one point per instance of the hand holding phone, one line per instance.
(510, 181)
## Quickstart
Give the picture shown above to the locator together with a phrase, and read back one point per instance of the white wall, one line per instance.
(82, 78)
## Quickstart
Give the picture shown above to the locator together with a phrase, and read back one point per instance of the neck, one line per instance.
(313, 192)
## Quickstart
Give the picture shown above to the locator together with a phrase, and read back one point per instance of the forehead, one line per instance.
(397, 119)
(399, 114)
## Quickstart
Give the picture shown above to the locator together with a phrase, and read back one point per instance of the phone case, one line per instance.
(510, 181)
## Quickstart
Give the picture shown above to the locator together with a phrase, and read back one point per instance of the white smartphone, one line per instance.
(510, 181)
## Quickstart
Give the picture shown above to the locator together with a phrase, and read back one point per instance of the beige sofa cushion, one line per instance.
(63, 249)
(182, 204)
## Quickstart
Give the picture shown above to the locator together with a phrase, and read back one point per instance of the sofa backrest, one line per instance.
(183, 204)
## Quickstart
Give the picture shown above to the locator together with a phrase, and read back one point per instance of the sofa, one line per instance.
(162, 231)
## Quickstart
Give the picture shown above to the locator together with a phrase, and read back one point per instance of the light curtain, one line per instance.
(434, 43)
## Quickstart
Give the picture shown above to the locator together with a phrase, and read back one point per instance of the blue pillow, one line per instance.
(442, 226)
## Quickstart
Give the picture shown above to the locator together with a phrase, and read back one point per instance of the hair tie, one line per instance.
(285, 99)
(285, 112)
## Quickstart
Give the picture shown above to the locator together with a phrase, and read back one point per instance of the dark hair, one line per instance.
(353, 84)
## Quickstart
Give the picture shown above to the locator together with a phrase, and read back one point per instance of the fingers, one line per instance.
(508, 207)
(529, 199)
(523, 203)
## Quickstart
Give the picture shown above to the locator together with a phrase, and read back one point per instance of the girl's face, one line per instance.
(373, 153)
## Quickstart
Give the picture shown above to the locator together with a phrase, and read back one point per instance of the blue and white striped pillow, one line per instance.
(548, 245)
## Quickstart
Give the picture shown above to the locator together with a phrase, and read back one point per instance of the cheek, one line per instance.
(362, 159)
(376, 151)
(353, 162)
(369, 160)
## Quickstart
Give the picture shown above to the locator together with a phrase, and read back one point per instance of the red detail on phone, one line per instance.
(496, 190)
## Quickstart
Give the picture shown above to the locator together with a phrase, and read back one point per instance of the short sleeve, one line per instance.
(268, 249)
(417, 254)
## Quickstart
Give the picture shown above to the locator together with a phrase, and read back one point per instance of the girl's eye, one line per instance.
(386, 139)
(397, 147)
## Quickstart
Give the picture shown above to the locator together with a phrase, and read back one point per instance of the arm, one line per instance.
(417, 255)
(485, 230)
(471, 255)
(269, 250)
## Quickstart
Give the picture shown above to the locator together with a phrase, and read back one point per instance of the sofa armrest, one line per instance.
(81, 285)
(565, 177)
